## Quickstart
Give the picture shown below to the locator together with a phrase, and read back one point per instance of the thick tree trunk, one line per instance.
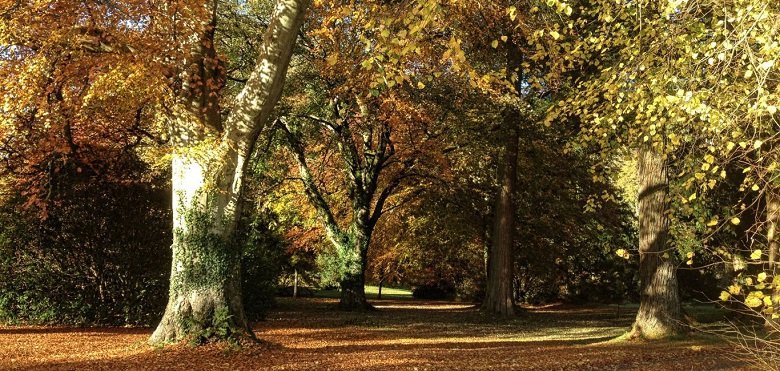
(353, 293)
(205, 284)
(660, 314)
(208, 167)
(498, 296)
(353, 279)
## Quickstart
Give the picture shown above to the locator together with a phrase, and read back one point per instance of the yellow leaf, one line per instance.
(494, 44)
(555, 35)
(333, 59)
(753, 302)
(735, 220)
(761, 277)
(420, 85)
(756, 254)
(724, 295)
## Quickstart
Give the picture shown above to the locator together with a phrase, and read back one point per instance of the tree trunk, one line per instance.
(295, 285)
(205, 283)
(353, 278)
(660, 314)
(208, 166)
(772, 219)
(498, 296)
(379, 289)
(353, 293)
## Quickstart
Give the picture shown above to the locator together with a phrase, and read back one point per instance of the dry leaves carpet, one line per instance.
(310, 334)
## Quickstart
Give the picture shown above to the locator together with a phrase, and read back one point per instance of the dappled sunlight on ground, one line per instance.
(310, 334)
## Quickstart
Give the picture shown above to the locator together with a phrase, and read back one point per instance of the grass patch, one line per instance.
(372, 292)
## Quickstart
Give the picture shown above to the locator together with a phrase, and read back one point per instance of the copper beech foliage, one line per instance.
(83, 82)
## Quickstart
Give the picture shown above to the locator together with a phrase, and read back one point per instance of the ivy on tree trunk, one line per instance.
(209, 161)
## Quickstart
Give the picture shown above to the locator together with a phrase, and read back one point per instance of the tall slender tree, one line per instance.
(499, 295)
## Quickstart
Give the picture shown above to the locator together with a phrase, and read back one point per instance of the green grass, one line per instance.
(371, 293)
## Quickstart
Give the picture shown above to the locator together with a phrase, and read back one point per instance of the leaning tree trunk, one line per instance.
(660, 314)
(208, 166)
(499, 296)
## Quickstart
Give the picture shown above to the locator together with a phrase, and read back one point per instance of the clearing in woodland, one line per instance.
(310, 334)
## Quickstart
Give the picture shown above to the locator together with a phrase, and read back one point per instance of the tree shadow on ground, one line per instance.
(305, 334)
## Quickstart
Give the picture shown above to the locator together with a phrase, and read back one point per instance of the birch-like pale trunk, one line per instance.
(660, 314)
(208, 167)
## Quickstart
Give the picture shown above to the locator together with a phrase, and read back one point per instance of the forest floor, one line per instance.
(311, 334)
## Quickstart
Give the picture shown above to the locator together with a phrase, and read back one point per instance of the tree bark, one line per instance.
(660, 314)
(208, 166)
(773, 246)
(353, 271)
(498, 296)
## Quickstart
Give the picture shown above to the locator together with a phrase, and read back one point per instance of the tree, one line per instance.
(499, 295)
(360, 134)
(98, 69)
(498, 47)
(209, 160)
(614, 99)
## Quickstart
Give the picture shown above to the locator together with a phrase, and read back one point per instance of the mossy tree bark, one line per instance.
(499, 295)
(365, 156)
(660, 314)
(208, 166)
